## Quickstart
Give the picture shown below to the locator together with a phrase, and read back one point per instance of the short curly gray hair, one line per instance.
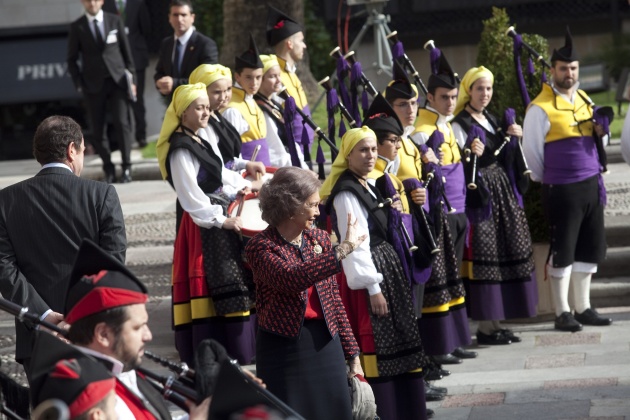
(285, 194)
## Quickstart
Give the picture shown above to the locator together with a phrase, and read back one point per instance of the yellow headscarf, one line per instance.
(183, 96)
(268, 62)
(209, 73)
(348, 141)
(465, 86)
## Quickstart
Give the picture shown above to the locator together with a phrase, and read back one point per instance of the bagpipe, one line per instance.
(290, 109)
(414, 248)
(398, 52)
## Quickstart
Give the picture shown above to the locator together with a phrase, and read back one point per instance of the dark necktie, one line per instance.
(99, 37)
(177, 63)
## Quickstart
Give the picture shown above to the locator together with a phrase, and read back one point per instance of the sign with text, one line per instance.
(35, 70)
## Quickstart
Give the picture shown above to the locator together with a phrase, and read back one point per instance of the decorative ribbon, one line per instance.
(518, 46)
(289, 116)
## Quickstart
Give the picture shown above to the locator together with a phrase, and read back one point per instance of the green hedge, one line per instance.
(496, 53)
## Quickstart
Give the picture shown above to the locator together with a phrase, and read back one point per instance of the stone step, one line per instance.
(610, 292)
(613, 153)
(617, 231)
(617, 263)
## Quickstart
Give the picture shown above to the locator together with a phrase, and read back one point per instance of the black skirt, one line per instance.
(307, 373)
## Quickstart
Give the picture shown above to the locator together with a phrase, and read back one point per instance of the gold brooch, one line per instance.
(317, 248)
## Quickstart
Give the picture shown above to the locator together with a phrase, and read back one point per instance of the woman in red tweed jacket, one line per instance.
(303, 332)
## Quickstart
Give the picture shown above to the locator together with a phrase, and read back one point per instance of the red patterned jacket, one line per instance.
(283, 273)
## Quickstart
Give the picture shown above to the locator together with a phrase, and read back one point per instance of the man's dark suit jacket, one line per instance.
(138, 22)
(42, 222)
(199, 50)
(97, 63)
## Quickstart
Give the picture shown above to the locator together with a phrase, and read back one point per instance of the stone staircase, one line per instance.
(611, 284)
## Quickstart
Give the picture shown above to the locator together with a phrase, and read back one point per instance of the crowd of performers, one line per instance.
(425, 201)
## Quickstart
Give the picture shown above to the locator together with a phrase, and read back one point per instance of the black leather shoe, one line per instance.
(566, 322)
(126, 176)
(462, 353)
(142, 143)
(510, 334)
(436, 373)
(433, 393)
(494, 339)
(447, 359)
(592, 317)
(430, 413)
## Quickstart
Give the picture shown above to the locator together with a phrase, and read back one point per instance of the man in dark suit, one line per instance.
(135, 16)
(42, 222)
(106, 78)
(185, 51)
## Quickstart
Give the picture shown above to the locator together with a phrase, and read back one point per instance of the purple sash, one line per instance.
(570, 160)
(247, 149)
(298, 126)
(455, 186)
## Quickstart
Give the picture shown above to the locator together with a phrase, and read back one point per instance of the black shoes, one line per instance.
(566, 322)
(126, 176)
(435, 373)
(142, 143)
(494, 339)
(462, 353)
(591, 317)
(447, 359)
(430, 413)
(434, 393)
(509, 334)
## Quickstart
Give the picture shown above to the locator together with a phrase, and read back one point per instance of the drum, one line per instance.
(250, 214)
(270, 170)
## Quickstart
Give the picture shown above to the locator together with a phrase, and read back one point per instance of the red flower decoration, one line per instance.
(279, 25)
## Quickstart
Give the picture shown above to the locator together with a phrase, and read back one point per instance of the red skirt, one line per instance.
(194, 314)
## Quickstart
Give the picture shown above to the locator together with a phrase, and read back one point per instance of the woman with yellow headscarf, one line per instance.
(222, 136)
(211, 298)
(375, 289)
(498, 264)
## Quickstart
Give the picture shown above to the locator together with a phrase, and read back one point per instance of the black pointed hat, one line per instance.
(443, 75)
(400, 86)
(250, 59)
(280, 26)
(382, 118)
(60, 371)
(99, 282)
(566, 53)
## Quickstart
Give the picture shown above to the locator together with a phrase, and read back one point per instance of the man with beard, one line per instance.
(559, 141)
(106, 307)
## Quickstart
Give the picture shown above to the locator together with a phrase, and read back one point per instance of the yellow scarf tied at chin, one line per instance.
(183, 96)
(348, 141)
(471, 76)
(209, 73)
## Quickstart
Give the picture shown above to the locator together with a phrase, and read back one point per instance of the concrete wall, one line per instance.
(21, 13)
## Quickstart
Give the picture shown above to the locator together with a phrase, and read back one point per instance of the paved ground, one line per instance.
(549, 375)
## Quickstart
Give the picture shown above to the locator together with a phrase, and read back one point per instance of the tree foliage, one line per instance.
(209, 19)
(496, 53)
(616, 55)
